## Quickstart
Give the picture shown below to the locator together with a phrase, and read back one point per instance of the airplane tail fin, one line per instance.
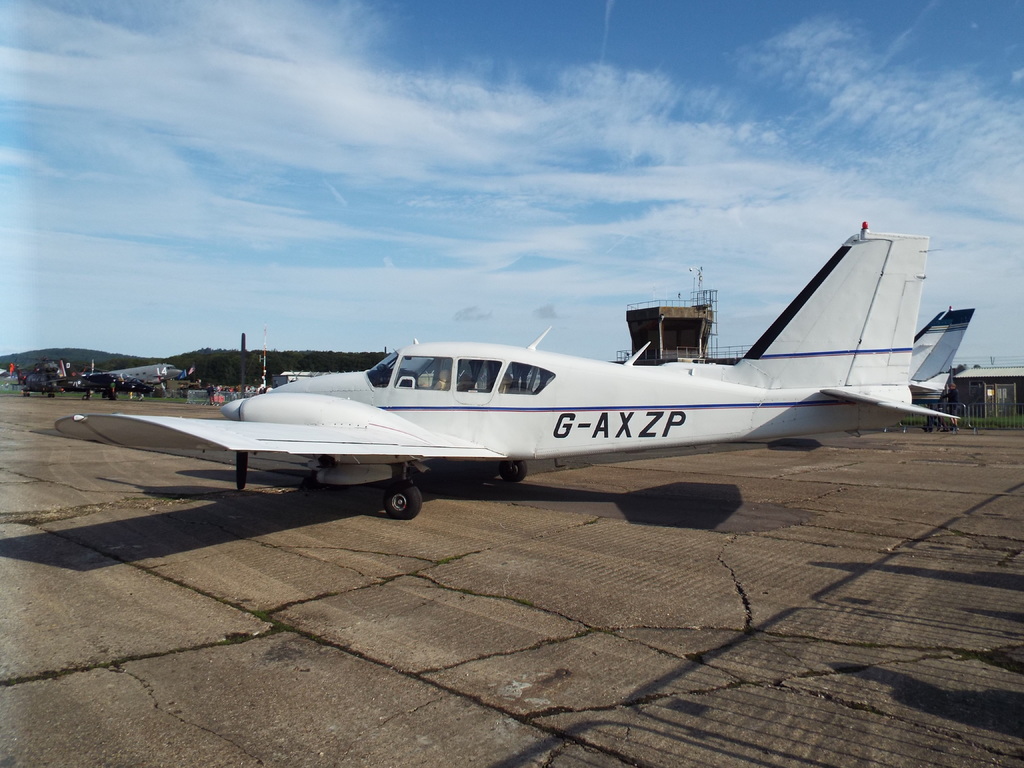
(852, 325)
(936, 345)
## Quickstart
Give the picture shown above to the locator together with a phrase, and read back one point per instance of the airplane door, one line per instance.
(476, 380)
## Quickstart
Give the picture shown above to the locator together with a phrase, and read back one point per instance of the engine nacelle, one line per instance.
(304, 408)
(326, 411)
(354, 474)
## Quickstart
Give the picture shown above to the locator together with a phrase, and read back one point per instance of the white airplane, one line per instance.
(837, 359)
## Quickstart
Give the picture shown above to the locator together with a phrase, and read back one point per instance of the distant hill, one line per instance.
(67, 354)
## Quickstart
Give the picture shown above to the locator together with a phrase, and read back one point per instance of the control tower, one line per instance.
(676, 329)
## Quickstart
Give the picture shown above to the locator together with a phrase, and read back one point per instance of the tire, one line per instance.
(402, 501)
(512, 471)
(310, 483)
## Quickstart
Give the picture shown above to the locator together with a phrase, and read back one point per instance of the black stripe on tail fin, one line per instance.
(769, 336)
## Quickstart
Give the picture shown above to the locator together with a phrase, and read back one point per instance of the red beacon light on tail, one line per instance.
(863, 230)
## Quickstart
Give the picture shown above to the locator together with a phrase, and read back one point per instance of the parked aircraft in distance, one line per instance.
(108, 384)
(46, 378)
(838, 358)
(150, 374)
(49, 378)
(935, 347)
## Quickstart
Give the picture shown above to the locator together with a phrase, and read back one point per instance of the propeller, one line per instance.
(241, 468)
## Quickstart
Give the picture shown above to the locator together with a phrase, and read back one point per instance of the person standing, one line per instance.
(952, 398)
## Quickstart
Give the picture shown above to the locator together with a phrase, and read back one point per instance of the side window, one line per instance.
(477, 375)
(380, 374)
(425, 373)
(523, 379)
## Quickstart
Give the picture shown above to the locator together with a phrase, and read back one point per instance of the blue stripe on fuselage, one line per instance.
(836, 353)
(610, 409)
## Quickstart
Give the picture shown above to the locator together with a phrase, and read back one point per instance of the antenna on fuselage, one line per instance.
(636, 355)
(539, 338)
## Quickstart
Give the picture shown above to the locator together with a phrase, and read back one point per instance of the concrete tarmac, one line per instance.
(841, 601)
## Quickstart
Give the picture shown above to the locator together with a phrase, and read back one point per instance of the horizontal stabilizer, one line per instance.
(896, 405)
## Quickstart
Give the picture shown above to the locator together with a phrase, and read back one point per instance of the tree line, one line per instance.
(222, 366)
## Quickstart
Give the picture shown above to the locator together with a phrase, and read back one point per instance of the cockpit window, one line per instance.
(425, 373)
(523, 379)
(477, 375)
(380, 374)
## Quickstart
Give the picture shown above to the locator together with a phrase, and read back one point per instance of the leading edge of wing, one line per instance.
(896, 405)
(302, 439)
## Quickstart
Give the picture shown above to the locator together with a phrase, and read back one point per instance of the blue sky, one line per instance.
(353, 175)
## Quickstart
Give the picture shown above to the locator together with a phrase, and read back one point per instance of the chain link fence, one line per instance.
(975, 416)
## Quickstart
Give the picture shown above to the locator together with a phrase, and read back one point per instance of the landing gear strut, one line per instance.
(241, 469)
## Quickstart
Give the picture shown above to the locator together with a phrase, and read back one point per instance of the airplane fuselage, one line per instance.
(148, 374)
(525, 403)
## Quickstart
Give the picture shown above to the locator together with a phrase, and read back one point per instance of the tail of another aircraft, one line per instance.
(852, 325)
(936, 345)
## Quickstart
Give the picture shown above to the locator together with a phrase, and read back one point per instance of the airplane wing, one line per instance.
(896, 405)
(370, 444)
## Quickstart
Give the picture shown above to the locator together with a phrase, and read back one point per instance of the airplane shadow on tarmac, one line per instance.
(209, 520)
(698, 506)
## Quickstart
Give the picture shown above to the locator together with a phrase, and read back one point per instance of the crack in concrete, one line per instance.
(544, 643)
(149, 689)
(748, 616)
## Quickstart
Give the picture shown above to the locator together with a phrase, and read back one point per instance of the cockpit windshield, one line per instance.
(380, 374)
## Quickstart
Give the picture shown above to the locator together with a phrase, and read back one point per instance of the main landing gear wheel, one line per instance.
(512, 471)
(402, 500)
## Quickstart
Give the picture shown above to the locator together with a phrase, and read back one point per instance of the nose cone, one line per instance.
(232, 410)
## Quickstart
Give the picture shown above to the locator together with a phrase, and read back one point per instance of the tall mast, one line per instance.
(264, 356)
